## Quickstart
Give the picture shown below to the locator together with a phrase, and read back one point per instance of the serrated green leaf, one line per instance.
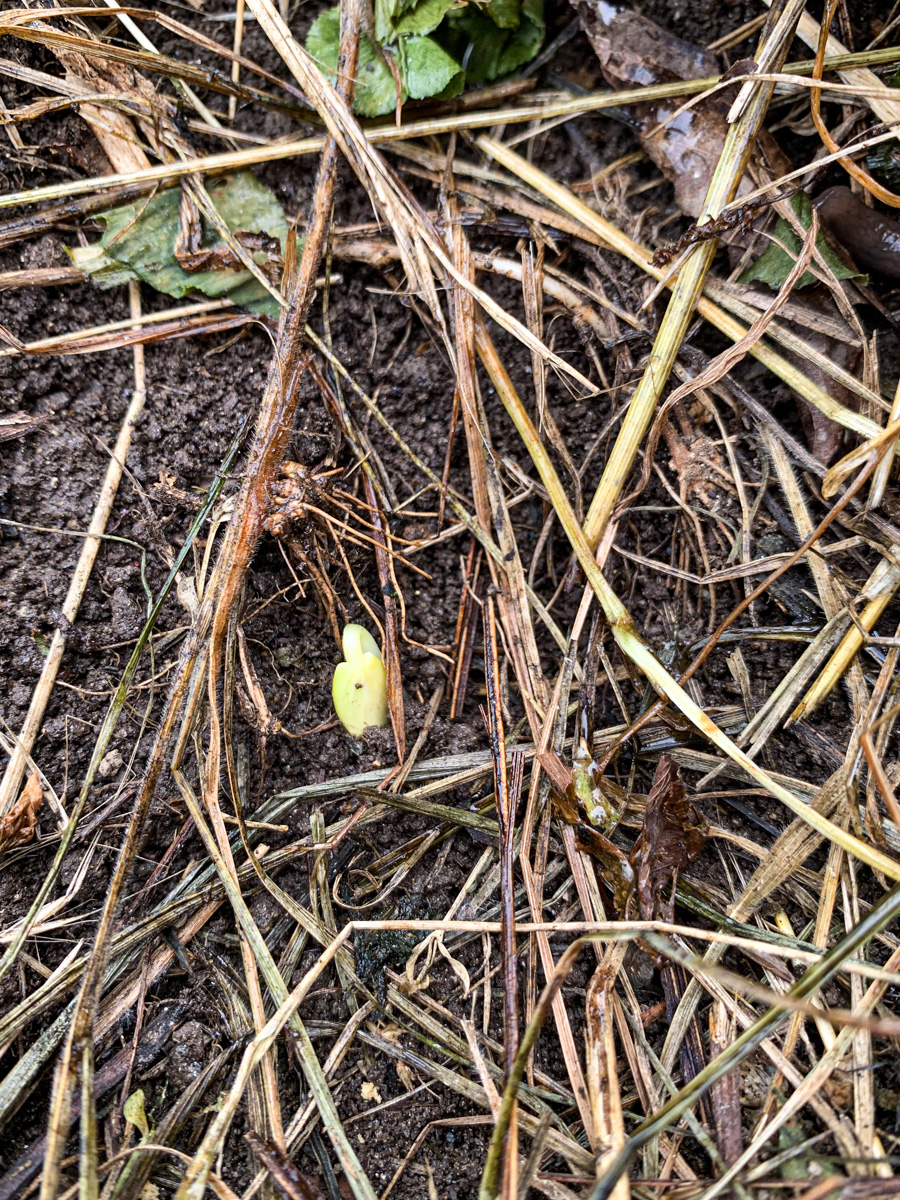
(139, 242)
(774, 265)
(471, 43)
(421, 19)
(428, 70)
(376, 92)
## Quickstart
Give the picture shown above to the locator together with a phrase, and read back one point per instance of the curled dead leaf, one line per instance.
(405, 1075)
(672, 837)
(17, 827)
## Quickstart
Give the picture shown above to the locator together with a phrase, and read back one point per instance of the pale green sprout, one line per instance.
(359, 690)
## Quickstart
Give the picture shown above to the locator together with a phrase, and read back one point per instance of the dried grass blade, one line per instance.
(602, 1068)
(812, 980)
(388, 583)
(712, 312)
(808, 31)
(419, 242)
(728, 296)
(725, 1093)
(115, 708)
(794, 845)
(506, 799)
(881, 443)
(722, 364)
(13, 24)
(478, 531)
(534, 877)
(490, 502)
(192, 1188)
(626, 634)
(686, 292)
(491, 1173)
(790, 486)
(161, 327)
(809, 1087)
(195, 1178)
(282, 394)
(877, 593)
(883, 473)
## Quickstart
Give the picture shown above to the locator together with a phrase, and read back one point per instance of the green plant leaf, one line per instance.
(376, 92)
(428, 70)
(773, 266)
(134, 1113)
(474, 38)
(506, 14)
(139, 243)
(471, 43)
(422, 19)
(397, 20)
(387, 13)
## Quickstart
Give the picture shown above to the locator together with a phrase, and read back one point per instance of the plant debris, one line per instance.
(142, 241)
(377, 951)
(18, 825)
(19, 424)
(672, 836)
(776, 262)
(608, 908)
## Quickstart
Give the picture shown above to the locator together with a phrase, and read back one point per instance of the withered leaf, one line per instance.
(617, 871)
(634, 50)
(672, 837)
(17, 827)
(615, 868)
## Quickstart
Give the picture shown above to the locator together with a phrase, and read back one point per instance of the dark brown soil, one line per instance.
(199, 393)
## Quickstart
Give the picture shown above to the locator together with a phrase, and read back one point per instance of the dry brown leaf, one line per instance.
(672, 837)
(288, 1180)
(17, 827)
(635, 50)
